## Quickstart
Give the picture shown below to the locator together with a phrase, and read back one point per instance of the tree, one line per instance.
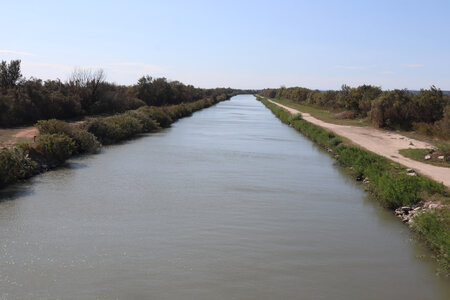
(87, 83)
(10, 74)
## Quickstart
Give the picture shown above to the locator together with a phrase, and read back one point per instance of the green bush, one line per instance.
(157, 114)
(14, 165)
(148, 124)
(56, 148)
(53, 126)
(116, 128)
(84, 141)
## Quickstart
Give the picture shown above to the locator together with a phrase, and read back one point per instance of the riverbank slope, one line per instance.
(381, 142)
(419, 201)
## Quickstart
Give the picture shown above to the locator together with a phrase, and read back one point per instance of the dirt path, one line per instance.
(11, 136)
(384, 143)
(28, 132)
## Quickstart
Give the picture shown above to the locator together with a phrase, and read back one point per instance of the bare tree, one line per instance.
(87, 82)
(85, 78)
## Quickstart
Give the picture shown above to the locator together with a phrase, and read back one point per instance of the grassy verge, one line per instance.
(386, 181)
(320, 113)
(420, 154)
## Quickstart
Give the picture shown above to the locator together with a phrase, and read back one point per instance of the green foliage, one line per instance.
(14, 165)
(434, 226)
(419, 155)
(148, 124)
(84, 141)
(116, 128)
(10, 74)
(157, 114)
(53, 126)
(295, 117)
(393, 109)
(25, 101)
(55, 148)
(426, 110)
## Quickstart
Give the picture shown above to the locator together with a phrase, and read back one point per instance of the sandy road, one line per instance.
(384, 143)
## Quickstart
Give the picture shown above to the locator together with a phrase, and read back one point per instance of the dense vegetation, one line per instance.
(427, 111)
(144, 107)
(388, 181)
(59, 140)
(86, 92)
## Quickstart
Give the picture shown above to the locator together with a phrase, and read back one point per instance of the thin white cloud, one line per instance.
(46, 65)
(16, 52)
(350, 67)
(386, 72)
(150, 67)
(414, 65)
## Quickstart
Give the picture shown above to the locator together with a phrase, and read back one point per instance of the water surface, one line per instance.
(227, 204)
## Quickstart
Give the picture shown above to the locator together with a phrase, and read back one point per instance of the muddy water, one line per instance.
(226, 204)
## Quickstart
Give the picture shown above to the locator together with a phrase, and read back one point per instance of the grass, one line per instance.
(388, 182)
(419, 155)
(322, 114)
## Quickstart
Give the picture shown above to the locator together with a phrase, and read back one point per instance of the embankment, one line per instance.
(389, 183)
(58, 140)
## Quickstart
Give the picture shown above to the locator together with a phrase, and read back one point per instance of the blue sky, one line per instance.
(242, 44)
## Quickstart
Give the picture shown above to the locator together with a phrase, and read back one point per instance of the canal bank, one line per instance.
(418, 201)
(228, 203)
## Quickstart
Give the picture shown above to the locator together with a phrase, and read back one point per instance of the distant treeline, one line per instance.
(86, 92)
(427, 111)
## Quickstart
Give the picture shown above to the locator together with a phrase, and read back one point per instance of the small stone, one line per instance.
(411, 174)
(410, 171)
(427, 157)
(441, 157)
(433, 205)
(406, 208)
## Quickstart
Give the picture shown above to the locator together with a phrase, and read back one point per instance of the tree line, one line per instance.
(86, 92)
(427, 110)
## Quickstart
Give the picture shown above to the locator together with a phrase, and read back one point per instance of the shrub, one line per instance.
(296, 117)
(56, 148)
(53, 126)
(14, 165)
(157, 114)
(116, 128)
(148, 124)
(84, 141)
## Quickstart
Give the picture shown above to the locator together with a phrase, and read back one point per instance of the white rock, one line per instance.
(441, 157)
(428, 156)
